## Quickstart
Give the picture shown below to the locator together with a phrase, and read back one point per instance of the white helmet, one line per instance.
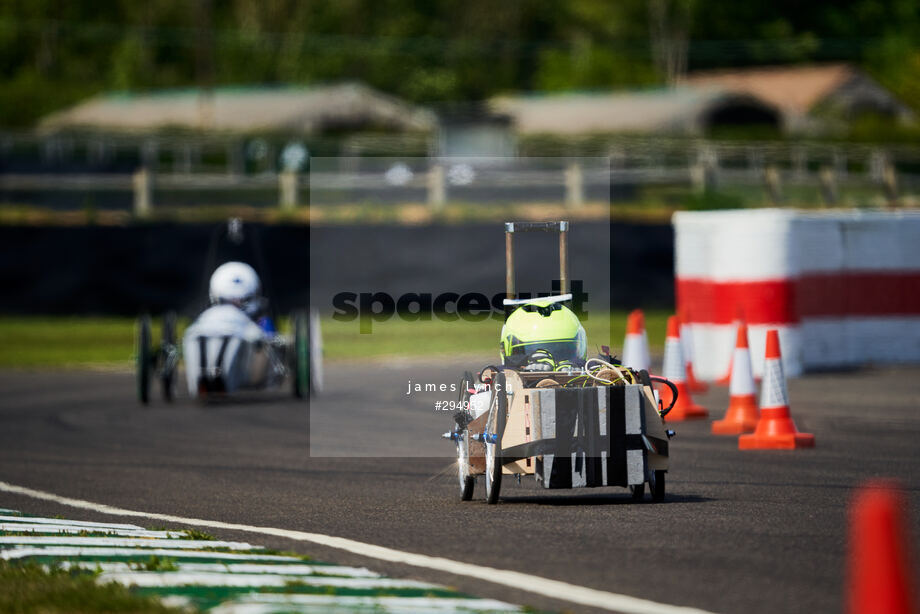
(238, 284)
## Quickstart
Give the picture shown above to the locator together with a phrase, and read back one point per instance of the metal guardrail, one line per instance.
(101, 182)
(438, 181)
(121, 181)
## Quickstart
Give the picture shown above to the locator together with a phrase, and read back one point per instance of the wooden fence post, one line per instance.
(774, 184)
(143, 192)
(437, 191)
(574, 186)
(287, 184)
(828, 185)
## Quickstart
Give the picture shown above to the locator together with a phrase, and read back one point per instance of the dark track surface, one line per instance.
(740, 532)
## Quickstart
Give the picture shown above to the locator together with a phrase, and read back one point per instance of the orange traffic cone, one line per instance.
(742, 415)
(686, 343)
(775, 429)
(635, 348)
(879, 576)
(684, 408)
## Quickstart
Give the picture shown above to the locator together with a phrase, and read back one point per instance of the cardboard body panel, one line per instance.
(578, 437)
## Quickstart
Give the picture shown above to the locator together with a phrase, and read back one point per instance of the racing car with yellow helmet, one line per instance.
(549, 411)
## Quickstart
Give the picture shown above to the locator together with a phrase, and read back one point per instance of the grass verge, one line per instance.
(80, 342)
(30, 588)
(67, 341)
(434, 337)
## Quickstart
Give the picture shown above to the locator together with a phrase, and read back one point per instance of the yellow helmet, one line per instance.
(543, 332)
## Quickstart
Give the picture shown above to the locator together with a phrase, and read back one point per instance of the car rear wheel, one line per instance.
(656, 485)
(637, 491)
(315, 347)
(463, 418)
(301, 356)
(168, 356)
(495, 428)
(143, 359)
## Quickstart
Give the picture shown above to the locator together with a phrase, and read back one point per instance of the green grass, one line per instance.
(398, 337)
(156, 563)
(196, 534)
(58, 534)
(41, 342)
(30, 589)
(66, 341)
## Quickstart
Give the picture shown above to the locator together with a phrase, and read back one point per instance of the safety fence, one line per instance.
(139, 172)
(842, 287)
(158, 267)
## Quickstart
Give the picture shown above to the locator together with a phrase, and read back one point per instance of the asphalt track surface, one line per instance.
(739, 532)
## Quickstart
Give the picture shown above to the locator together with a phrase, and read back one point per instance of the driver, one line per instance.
(543, 336)
(236, 283)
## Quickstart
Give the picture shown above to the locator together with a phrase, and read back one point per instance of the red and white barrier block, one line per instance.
(841, 287)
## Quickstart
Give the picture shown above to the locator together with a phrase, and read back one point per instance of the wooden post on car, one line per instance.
(563, 257)
(512, 227)
(142, 182)
(509, 264)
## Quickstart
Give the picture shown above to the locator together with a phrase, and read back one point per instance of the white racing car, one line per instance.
(232, 345)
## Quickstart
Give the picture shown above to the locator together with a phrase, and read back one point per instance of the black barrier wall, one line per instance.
(126, 270)
(157, 267)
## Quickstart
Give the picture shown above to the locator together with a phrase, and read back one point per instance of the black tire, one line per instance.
(657, 486)
(315, 349)
(467, 482)
(143, 359)
(645, 379)
(637, 491)
(167, 353)
(300, 361)
(656, 479)
(496, 425)
(663, 411)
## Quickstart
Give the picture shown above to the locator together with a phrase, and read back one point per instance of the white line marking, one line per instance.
(266, 603)
(537, 585)
(139, 542)
(180, 578)
(177, 601)
(73, 523)
(58, 551)
(321, 571)
(63, 528)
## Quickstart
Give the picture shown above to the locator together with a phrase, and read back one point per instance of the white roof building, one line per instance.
(299, 110)
(682, 111)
